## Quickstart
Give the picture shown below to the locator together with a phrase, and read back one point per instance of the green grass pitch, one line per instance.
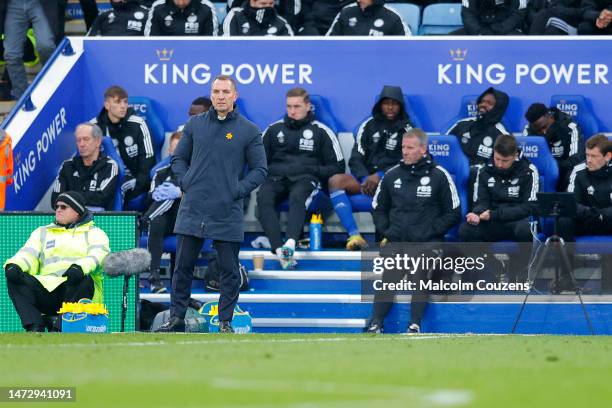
(302, 371)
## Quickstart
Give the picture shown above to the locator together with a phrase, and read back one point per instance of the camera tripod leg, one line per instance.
(566, 262)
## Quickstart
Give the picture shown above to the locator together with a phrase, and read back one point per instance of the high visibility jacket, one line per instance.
(52, 249)
(6, 166)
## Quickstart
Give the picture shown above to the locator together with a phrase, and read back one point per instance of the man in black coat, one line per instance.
(302, 153)
(492, 17)
(596, 17)
(255, 18)
(208, 164)
(125, 18)
(181, 18)
(415, 202)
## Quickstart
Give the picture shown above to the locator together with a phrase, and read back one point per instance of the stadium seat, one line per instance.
(536, 149)
(109, 148)
(221, 9)
(578, 107)
(411, 13)
(145, 108)
(441, 19)
(324, 113)
(468, 109)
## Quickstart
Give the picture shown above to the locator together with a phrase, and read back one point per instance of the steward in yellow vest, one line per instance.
(60, 262)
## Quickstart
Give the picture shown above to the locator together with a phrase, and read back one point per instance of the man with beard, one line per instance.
(504, 199)
(477, 134)
(302, 153)
(492, 17)
(368, 17)
(563, 135)
(126, 18)
(377, 148)
(256, 18)
(181, 17)
(132, 139)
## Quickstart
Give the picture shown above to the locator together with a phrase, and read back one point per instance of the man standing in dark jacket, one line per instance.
(416, 201)
(181, 17)
(132, 139)
(563, 135)
(377, 148)
(125, 18)
(368, 17)
(492, 17)
(208, 164)
(91, 173)
(255, 18)
(596, 17)
(302, 153)
(504, 199)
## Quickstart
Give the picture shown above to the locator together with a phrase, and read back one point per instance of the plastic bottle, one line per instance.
(316, 231)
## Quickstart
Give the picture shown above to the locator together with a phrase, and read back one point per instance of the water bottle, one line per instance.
(316, 230)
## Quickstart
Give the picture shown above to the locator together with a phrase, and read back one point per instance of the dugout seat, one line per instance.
(145, 108)
(410, 13)
(579, 108)
(109, 148)
(441, 19)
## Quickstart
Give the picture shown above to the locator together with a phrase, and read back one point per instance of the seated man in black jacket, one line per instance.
(368, 17)
(505, 198)
(556, 17)
(302, 153)
(181, 18)
(492, 17)
(125, 18)
(255, 18)
(164, 200)
(319, 15)
(591, 183)
(416, 201)
(563, 135)
(131, 137)
(477, 134)
(377, 148)
(91, 173)
(596, 17)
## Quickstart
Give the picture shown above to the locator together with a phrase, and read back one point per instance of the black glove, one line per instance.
(14, 273)
(74, 273)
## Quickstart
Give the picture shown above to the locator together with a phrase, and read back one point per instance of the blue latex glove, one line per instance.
(166, 191)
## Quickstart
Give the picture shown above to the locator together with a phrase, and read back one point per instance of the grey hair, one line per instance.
(96, 132)
(419, 134)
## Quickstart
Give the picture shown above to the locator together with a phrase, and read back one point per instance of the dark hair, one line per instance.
(202, 101)
(299, 92)
(225, 78)
(601, 142)
(115, 91)
(535, 112)
(505, 145)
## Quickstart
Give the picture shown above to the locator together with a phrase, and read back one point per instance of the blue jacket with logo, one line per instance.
(209, 164)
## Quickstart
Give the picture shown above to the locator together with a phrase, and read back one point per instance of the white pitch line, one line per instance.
(157, 343)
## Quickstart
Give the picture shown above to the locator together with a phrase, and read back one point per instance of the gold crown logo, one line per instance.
(164, 55)
(458, 54)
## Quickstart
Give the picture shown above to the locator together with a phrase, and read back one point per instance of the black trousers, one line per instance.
(188, 249)
(270, 194)
(570, 228)
(383, 300)
(159, 227)
(494, 231)
(31, 299)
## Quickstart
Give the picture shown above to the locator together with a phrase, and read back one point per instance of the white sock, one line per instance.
(290, 243)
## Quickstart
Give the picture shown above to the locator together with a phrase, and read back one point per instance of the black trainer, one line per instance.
(175, 324)
(225, 327)
(374, 327)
